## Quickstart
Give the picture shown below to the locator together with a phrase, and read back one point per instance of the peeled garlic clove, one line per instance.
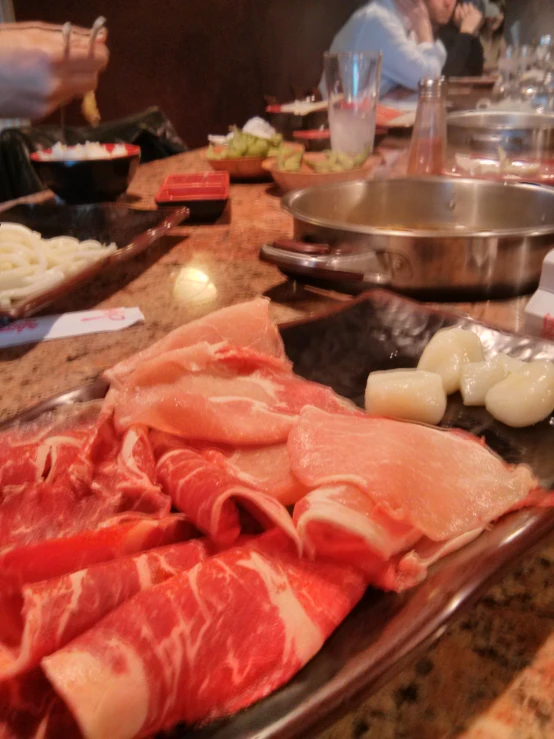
(447, 351)
(477, 378)
(512, 364)
(524, 397)
(412, 395)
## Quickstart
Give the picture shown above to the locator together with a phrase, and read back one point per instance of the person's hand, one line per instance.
(418, 15)
(36, 73)
(495, 22)
(468, 18)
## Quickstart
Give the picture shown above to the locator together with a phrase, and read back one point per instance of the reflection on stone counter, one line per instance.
(491, 674)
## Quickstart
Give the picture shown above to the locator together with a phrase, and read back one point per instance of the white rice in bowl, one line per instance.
(88, 150)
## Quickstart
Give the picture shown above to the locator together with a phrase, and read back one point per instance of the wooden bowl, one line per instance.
(244, 168)
(239, 168)
(307, 177)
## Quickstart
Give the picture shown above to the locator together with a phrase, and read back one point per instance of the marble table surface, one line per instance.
(492, 673)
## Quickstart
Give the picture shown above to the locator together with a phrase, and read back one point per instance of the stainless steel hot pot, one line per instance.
(485, 132)
(432, 236)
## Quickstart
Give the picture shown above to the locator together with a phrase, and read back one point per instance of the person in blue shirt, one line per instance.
(404, 31)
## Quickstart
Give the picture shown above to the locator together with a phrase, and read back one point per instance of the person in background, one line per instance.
(492, 35)
(460, 37)
(403, 30)
(36, 73)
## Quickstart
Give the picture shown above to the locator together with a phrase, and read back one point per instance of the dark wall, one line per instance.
(536, 19)
(206, 63)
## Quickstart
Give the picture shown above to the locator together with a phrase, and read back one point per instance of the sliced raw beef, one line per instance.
(204, 644)
(265, 468)
(222, 394)
(30, 709)
(338, 520)
(101, 442)
(441, 482)
(53, 557)
(342, 524)
(42, 617)
(45, 511)
(110, 476)
(246, 324)
(126, 475)
(211, 497)
(39, 451)
(117, 469)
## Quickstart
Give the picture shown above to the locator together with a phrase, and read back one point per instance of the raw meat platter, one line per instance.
(379, 330)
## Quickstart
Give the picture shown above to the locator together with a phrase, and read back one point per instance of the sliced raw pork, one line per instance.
(42, 617)
(211, 497)
(46, 559)
(204, 644)
(246, 324)
(443, 483)
(220, 394)
(267, 467)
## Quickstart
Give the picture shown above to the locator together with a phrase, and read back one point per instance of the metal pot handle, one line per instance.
(301, 247)
(319, 261)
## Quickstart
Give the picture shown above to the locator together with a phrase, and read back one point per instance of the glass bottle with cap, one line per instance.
(428, 144)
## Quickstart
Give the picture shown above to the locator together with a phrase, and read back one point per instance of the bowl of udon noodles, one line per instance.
(87, 173)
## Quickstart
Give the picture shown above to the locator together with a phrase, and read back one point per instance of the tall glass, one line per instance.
(508, 66)
(352, 80)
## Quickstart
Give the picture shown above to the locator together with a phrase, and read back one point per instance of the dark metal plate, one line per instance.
(133, 230)
(381, 330)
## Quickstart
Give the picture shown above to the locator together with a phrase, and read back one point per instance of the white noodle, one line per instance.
(30, 264)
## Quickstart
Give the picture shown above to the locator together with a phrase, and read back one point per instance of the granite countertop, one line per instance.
(492, 673)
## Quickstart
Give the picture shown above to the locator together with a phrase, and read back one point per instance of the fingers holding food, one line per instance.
(39, 70)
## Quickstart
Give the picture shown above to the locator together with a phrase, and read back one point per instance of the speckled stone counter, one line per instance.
(492, 673)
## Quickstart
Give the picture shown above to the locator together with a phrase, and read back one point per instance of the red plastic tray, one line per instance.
(204, 193)
(311, 134)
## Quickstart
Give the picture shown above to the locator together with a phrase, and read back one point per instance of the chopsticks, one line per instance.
(66, 38)
(89, 107)
(97, 26)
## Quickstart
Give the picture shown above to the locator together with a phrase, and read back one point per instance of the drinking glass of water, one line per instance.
(352, 81)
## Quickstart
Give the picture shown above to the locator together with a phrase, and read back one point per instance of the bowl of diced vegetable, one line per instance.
(243, 154)
(295, 170)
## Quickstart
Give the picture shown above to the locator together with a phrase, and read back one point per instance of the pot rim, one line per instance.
(520, 121)
(288, 205)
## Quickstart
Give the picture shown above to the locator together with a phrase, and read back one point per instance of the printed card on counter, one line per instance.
(31, 330)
